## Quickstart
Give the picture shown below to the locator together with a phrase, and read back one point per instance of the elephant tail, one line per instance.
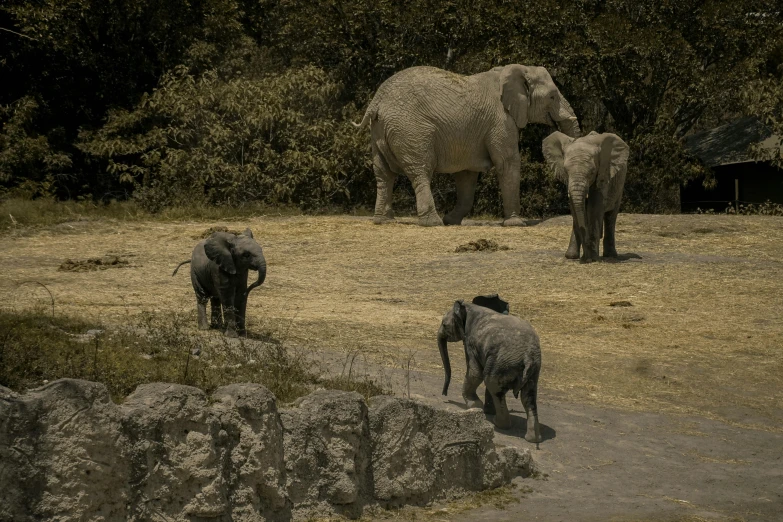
(179, 265)
(365, 121)
(370, 114)
(527, 373)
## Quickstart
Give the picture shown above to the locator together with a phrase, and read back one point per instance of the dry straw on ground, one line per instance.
(703, 334)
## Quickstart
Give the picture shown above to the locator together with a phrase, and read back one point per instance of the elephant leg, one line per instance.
(507, 166)
(216, 313)
(610, 221)
(489, 403)
(529, 392)
(498, 394)
(227, 299)
(425, 203)
(384, 179)
(594, 215)
(469, 386)
(240, 305)
(201, 308)
(466, 190)
(575, 244)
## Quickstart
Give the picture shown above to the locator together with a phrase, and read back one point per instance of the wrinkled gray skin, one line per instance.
(501, 350)
(218, 271)
(425, 120)
(594, 167)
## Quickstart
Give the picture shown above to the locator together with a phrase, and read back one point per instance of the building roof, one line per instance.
(729, 143)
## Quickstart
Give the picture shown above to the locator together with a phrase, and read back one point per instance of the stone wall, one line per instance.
(171, 452)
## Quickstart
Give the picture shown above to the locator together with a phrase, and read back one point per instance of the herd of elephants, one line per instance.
(425, 120)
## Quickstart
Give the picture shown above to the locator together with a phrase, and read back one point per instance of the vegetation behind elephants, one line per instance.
(687, 320)
(235, 101)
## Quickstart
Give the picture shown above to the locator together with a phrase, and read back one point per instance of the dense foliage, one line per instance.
(233, 101)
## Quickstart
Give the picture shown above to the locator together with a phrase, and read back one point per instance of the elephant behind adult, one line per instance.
(594, 168)
(425, 120)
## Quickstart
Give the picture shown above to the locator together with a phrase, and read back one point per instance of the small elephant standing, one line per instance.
(501, 350)
(425, 120)
(594, 167)
(218, 271)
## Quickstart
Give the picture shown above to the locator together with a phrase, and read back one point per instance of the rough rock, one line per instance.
(170, 452)
(194, 461)
(327, 454)
(61, 454)
(422, 454)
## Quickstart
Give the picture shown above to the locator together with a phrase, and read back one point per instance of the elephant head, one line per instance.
(237, 253)
(588, 165)
(530, 96)
(452, 329)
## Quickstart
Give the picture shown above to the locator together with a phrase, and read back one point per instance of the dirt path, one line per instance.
(610, 464)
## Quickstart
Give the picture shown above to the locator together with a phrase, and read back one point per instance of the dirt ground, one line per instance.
(682, 390)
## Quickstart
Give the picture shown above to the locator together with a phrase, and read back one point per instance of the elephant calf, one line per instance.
(501, 350)
(218, 271)
(594, 168)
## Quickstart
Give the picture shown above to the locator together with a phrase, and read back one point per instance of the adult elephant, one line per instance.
(425, 120)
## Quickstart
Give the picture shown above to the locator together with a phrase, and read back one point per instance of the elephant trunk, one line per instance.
(577, 190)
(444, 355)
(261, 276)
(565, 118)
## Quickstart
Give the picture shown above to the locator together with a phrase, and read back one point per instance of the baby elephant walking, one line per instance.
(501, 350)
(218, 271)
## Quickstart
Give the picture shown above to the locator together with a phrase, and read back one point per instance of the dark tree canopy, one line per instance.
(239, 100)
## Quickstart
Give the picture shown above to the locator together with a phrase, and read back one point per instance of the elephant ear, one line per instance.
(493, 302)
(613, 160)
(515, 93)
(554, 147)
(248, 233)
(460, 315)
(218, 250)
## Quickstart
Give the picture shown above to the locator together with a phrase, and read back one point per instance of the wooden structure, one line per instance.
(740, 179)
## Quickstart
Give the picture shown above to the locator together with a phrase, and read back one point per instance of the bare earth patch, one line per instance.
(710, 302)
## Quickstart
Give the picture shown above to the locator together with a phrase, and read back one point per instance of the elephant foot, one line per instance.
(203, 326)
(380, 220)
(533, 433)
(474, 404)
(570, 254)
(232, 333)
(433, 220)
(448, 219)
(514, 222)
(610, 253)
(502, 422)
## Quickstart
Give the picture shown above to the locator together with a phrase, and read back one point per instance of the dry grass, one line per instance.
(703, 335)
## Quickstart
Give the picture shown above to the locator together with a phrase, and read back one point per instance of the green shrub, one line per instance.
(28, 162)
(280, 138)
